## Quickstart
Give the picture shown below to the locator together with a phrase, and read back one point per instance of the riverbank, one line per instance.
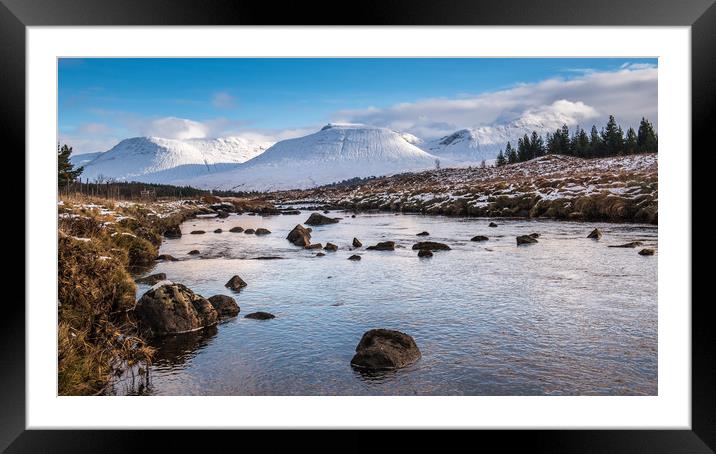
(617, 189)
(102, 245)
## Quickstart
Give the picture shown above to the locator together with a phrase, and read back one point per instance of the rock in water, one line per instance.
(260, 315)
(235, 283)
(357, 243)
(492, 224)
(224, 305)
(381, 349)
(152, 279)
(249, 231)
(218, 231)
(172, 309)
(194, 252)
(314, 246)
(633, 244)
(236, 229)
(330, 247)
(431, 246)
(479, 238)
(354, 257)
(197, 232)
(167, 258)
(534, 235)
(319, 219)
(320, 254)
(383, 246)
(526, 239)
(173, 232)
(262, 231)
(646, 251)
(425, 253)
(299, 236)
(222, 214)
(423, 234)
(595, 234)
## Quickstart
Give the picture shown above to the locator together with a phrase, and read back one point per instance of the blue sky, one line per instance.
(104, 100)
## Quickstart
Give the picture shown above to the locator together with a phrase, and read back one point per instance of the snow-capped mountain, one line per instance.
(337, 152)
(482, 143)
(157, 160)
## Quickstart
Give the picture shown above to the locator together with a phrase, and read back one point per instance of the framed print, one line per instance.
(410, 217)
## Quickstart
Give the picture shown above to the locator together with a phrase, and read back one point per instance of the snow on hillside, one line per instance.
(482, 143)
(157, 160)
(78, 160)
(337, 152)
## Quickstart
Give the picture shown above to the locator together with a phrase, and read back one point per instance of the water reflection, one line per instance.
(566, 316)
(176, 350)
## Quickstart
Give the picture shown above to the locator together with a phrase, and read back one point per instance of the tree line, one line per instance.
(611, 140)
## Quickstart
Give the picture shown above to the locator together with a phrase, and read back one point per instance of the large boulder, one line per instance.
(169, 308)
(646, 251)
(236, 229)
(262, 231)
(479, 238)
(249, 231)
(299, 236)
(431, 246)
(381, 349)
(225, 305)
(330, 247)
(152, 279)
(526, 239)
(383, 246)
(492, 224)
(235, 283)
(595, 234)
(357, 243)
(319, 219)
(173, 232)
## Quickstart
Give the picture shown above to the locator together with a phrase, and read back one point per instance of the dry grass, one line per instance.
(99, 244)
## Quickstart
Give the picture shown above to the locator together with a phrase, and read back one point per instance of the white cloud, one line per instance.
(223, 100)
(175, 128)
(628, 93)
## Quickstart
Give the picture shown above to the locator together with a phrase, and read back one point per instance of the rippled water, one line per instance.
(568, 315)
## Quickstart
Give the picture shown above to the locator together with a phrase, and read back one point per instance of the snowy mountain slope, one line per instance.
(337, 152)
(483, 143)
(151, 159)
(78, 160)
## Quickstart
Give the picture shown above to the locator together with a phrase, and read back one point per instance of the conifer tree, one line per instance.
(65, 170)
(501, 161)
(613, 138)
(631, 143)
(536, 146)
(523, 149)
(510, 154)
(646, 137)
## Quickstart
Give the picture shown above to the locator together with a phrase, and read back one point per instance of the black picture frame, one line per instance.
(700, 15)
